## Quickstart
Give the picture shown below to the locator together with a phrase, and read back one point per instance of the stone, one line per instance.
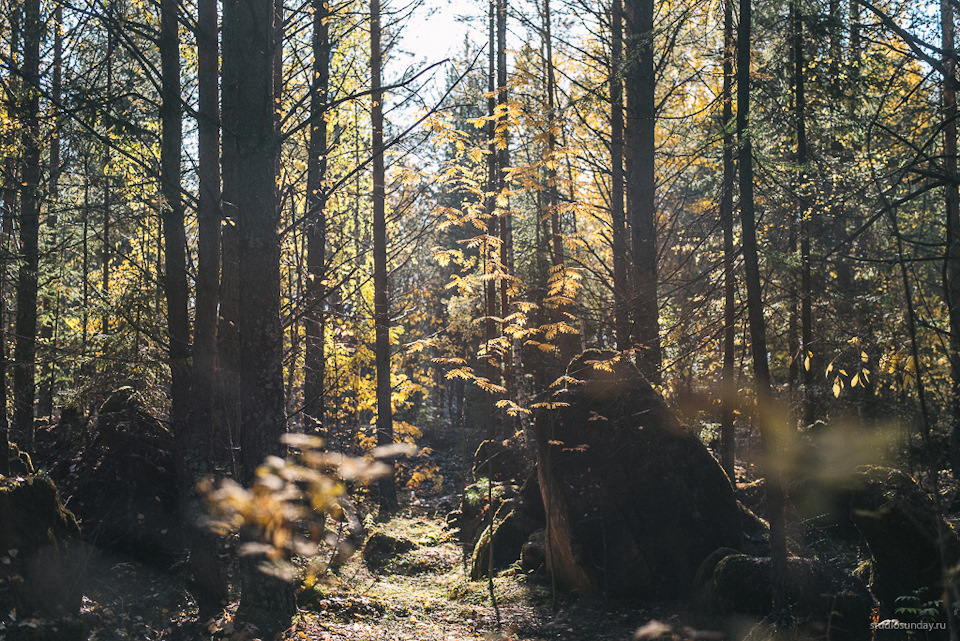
(510, 532)
(39, 550)
(825, 602)
(634, 500)
(380, 549)
(120, 480)
(533, 554)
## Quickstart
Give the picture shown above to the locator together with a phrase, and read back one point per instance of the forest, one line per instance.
(628, 319)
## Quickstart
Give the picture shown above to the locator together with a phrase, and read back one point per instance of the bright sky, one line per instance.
(435, 31)
(437, 27)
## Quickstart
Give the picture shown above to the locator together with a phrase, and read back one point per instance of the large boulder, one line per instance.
(121, 481)
(511, 527)
(911, 545)
(480, 500)
(499, 461)
(826, 602)
(39, 552)
(634, 501)
(381, 549)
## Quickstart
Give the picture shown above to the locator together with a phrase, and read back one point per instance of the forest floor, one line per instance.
(429, 597)
(426, 597)
(432, 600)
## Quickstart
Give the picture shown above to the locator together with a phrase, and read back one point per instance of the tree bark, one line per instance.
(758, 337)
(174, 233)
(505, 215)
(24, 381)
(952, 201)
(208, 223)
(806, 358)
(640, 85)
(249, 29)
(45, 392)
(381, 304)
(314, 324)
(489, 262)
(261, 340)
(227, 408)
(10, 192)
(105, 248)
(728, 384)
(209, 580)
(621, 284)
(557, 261)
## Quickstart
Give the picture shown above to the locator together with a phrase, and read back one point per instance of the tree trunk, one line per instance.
(227, 408)
(564, 340)
(261, 339)
(952, 198)
(24, 382)
(806, 357)
(506, 218)
(10, 191)
(208, 223)
(45, 392)
(489, 262)
(265, 600)
(758, 338)
(728, 384)
(209, 580)
(621, 284)
(640, 84)
(174, 235)
(105, 248)
(314, 365)
(381, 304)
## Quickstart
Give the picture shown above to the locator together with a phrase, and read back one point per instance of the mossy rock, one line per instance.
(20, 462)
(499, 460)
(533, 554)
(39, 550)
(709, 565)
(380, 549)
(472, 517)
(634, 500)
(756, 531)
(909, 541)
(823, 600)
(120, 400)
(753, 496)
(510, 532)
(121, 482)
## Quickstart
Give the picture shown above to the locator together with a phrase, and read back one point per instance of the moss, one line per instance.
(509, 535)
(121, 480)
(864, 572)
(498, 460)
(380, 549)
(708, 567)
(20, 462)
(121, 399)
